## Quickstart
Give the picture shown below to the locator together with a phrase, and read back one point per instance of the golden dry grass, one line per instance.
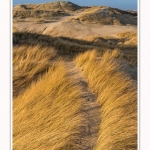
(129, 41)
(62, 44)
(46, 116)
(126, 42)
(117, 96)
(131, 37)
(71, 46)
(29, 63)
(14, 29)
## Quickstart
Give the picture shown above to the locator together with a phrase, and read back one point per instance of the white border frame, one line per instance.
(11, 102)
(144, 89)
(138, 87)
(6, 76)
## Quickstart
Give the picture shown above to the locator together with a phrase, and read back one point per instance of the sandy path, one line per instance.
(90, 109)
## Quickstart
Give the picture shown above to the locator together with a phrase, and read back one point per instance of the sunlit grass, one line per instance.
(29, 62)
(46, 115)
(117, 96)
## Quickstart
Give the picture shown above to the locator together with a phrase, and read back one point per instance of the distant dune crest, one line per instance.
(94, 14)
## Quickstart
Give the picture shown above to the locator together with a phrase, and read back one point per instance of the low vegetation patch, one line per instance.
(47, 115)
(130, 37)
(108, 16)
(29, 63)
(49, 10)
(66, 45)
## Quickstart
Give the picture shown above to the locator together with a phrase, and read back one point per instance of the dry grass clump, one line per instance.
(46, 116)
(120, 42)
(105, 41)
(128, 42)
(127, 48)
(131, 37)
(14, 29)
(62, 44)
(117, 96)
(29, 62)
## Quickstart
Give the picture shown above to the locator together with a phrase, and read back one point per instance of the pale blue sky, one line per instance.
(121, 4)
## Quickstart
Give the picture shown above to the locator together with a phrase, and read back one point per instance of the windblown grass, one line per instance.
(117, 96)
(46, 116)
(29, 63)
(131, 37)
(70, 46)
(126, 42)
(64, 45)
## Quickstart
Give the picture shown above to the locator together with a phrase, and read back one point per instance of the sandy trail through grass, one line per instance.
(90, 108)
